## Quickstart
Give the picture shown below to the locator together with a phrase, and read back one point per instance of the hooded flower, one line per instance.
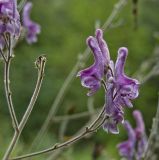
(126, 87)
(140, 135)
(126, 148)
(123, 90)
(136, 144)
(91, 77)
(9, 19)
(32, 28)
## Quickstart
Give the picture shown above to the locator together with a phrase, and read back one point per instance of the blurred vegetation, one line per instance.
(65, 26)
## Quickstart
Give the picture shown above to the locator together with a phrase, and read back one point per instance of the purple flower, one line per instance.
(32, 28)
(91, 77)
(9, 18)
(127, 148)
(126, 87)
(120, 89)
(113, 110)
(140, 135)
(123, 90)
(136, 144)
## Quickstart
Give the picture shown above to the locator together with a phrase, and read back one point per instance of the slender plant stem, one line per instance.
(152, 151)
(117, 8)
(3, 56)
(21, 5)
(40, 63)
(92, 128)
(91, 110)
(7, 85)
(75, 116)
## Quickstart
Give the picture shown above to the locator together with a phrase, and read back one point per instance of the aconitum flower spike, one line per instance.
(120, 89)
(91, 77)
(31, 27)
(126, 148)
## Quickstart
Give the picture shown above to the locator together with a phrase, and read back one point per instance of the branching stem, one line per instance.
(7, 84)
(92, 128)
(40, 63)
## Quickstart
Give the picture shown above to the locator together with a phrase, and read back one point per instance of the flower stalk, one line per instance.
(7, 84)
(40, 64)
(88, 130)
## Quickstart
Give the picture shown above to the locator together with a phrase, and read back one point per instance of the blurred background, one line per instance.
(65, 26)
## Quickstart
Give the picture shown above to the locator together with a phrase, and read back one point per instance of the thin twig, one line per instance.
(21, 5)
(152, 151)
(40, 63)
(75, 116)
(7, 85)
(91, 112)
(3, 56)
(117, 8)
(92, 128)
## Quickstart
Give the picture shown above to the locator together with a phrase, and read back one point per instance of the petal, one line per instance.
(130, 131)
(140, 126)
(111, 126)
(32, 28)
(126, 150)
(93, 44)
(141, 147)
(103, 46)
(119, 66)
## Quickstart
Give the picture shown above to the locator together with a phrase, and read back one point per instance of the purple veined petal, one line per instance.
(120, 76)
(91, 77)
(119, 66)
(93, 44)
(110, 73)
(141, 147)
(32, 28)
(140, 126)
(113, 110)
(91, 83)
(130, 131)
(103, 46)
(127, 102)
(140, 134)
(110, 126)
(109, 106)
(131, 90)
(127, 148)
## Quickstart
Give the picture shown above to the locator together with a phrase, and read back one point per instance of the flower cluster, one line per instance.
(9, 20)
(31, 27)
(136, 144)
(120, 89)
